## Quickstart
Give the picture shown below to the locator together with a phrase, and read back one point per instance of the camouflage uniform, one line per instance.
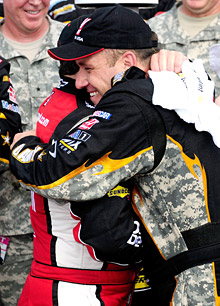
(32, 83)
(172, 37)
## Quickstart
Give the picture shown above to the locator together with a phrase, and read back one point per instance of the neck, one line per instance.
(215, 9)
(24, 35)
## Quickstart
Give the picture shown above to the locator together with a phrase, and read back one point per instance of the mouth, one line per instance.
(93, 94)
(33, 12)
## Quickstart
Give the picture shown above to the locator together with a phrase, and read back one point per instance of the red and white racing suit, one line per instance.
(66, 271)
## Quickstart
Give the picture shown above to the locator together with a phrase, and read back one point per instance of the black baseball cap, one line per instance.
(113, 27)
(69, 31)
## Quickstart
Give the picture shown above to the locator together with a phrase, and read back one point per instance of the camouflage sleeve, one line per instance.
(88, 155)
(10, 121)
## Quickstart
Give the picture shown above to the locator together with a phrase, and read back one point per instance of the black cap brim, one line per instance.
(72, 51)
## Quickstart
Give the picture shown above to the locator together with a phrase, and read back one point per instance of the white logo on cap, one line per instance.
(82, 25)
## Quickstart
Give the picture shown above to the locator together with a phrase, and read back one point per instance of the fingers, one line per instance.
(19, 136)
(167, 60)
(154, 62)
(178, 60)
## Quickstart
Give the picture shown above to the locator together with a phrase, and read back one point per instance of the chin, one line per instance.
(95, 100)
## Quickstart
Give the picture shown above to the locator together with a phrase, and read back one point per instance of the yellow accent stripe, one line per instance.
(4, 160)
(63, 9)
(2, 116)
(66, 145)
(109, 165)
(217, 298)
(5, 78)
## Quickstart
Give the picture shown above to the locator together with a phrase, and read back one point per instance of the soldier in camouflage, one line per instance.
(32, 80)
(191, 31)
(176, 168)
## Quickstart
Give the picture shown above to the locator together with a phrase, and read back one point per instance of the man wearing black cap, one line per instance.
(175, 168)
(119, 245)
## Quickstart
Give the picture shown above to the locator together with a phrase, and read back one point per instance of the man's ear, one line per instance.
(129, 59)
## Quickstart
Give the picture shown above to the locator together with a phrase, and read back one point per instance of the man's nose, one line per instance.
(81, 81)
(35, 2)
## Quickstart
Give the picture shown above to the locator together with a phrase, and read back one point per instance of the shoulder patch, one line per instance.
(118, 77)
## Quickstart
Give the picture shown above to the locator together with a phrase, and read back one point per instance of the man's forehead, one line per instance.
(83, 61)
(92, 59)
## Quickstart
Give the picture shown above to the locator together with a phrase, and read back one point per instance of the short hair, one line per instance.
(143, 55)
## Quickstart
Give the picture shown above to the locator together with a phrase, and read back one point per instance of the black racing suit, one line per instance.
(176, 170)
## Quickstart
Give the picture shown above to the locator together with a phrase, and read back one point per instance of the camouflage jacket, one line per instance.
(32, 83)
(175, 168)
(171, 36)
